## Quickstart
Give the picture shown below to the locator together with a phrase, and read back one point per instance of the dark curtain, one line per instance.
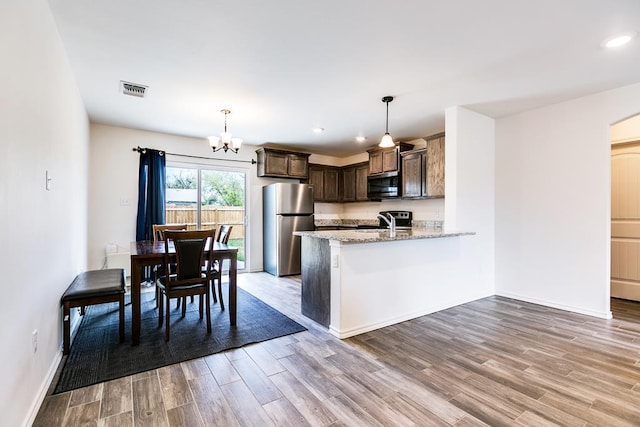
(151, 197)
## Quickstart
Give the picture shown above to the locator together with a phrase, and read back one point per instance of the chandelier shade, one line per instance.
(225, 138)
(387, 140)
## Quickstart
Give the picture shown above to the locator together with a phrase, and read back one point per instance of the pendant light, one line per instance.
(228, 143)
(387, 141)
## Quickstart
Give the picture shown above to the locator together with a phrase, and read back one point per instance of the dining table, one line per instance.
(147, 253)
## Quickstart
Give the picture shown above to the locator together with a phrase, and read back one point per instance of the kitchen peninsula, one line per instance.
(354, 281)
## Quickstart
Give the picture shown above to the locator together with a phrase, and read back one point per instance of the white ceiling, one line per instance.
(284, 67)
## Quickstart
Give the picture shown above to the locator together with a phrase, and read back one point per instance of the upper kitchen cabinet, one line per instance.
(282, 164)
(354, 182)
(423, 170)
(435, 165)
(326, 183)
(384, 160)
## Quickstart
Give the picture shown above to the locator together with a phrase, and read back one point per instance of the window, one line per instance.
(204, 198)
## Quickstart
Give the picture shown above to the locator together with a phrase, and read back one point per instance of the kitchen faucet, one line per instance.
(391, 222)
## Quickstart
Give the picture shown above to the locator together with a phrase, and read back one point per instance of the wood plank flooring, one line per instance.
(495, 361)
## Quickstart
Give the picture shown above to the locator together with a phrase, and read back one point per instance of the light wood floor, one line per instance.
(493, 362)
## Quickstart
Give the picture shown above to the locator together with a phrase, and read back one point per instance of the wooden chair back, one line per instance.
(159, 229)
(224, 233)
(191, 258)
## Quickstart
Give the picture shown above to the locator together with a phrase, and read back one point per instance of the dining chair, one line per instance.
(216, 268)
(158, 236)
(189, 279)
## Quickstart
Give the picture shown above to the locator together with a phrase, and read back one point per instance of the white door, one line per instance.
(625, 221)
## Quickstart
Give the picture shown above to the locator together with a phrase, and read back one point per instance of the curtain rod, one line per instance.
(252, 161)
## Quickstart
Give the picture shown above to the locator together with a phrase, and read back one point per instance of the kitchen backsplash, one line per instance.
(423, 210)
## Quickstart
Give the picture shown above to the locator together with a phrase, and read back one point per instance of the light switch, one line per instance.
(334, 261)
(47, 181)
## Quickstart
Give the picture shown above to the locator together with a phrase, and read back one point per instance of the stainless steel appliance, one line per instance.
(403, 219)
(384, 186)
(285, 208)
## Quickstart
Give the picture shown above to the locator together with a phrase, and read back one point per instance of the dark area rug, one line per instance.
(97, 355)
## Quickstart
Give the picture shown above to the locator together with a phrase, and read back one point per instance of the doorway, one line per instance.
(205, 197)
(625, 209)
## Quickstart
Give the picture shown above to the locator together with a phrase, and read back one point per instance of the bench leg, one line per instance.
(66, 327)
(121, 309)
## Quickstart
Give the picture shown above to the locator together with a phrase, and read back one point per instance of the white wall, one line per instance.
(470, 190)
(43, 126)
(553, 196)
(114, 176)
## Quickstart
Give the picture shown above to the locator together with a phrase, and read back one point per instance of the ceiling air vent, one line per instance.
(133, 89)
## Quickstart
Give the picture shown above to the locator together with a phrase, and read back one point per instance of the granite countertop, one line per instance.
(336, 222)
(372, 236)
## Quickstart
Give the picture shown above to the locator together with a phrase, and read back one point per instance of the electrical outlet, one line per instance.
(334, 261)
(124, 201)
(34, 340)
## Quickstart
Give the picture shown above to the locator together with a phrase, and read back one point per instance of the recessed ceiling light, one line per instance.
(618, 40)
(318, 130)
(361, 138)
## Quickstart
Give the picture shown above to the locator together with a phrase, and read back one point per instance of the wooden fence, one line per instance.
(212, 216)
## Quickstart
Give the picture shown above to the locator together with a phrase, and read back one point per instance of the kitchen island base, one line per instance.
(370, 285)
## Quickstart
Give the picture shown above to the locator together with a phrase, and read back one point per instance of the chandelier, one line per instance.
(228, 143)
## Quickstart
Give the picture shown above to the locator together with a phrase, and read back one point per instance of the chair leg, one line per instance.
(166, 329)
(208, 309)
(220, 293)
(121, 309)
(212, 283)
(184, 306)
(161, 309)
(201, 303)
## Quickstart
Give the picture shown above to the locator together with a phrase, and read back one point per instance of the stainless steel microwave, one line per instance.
(384, 186)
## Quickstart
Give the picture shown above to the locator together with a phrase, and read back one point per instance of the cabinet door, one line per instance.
(331, 185)
(390, 160)
(298, 166)
(276, 164)
(412, 174)
(316, 178)
(349, 184)
(361, 182)
(375, 162)
(435, 167)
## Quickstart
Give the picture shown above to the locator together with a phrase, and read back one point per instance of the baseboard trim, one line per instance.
(573, 309)
(44, 387)
(51, 374)
(342, 334)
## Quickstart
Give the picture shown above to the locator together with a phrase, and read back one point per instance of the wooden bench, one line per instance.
(90, 288)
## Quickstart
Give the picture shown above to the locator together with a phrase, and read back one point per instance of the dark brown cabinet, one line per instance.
(326, 183)
(383, 160)
(354, 182)
(413, 174)
(423, 170)
(282, 164)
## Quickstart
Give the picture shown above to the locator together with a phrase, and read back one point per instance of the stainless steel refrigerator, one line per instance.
(285, 208)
